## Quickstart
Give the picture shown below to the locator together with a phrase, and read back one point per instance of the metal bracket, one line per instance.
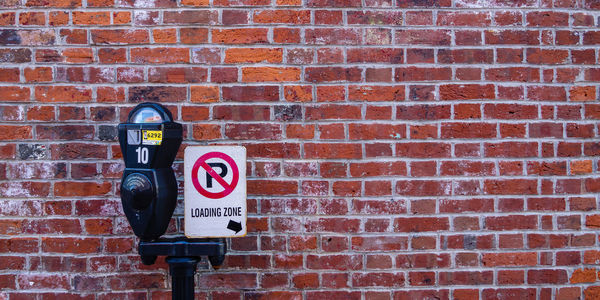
(183, 255)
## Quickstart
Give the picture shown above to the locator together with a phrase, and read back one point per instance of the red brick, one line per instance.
(547, 18)
(546, 93)
(376, 131)
(66, 189)
(190, 17)
(455, 18)
(193, 35)
(119, 36)
(336, 150)
(177, 75)
(505, 18)
(466, 278)
(512, 37)
(466, 92)
(329, 74)
(70, 245)
(546, 276)
(511, 186)
(468, 130)
(547, 56)
(511, 149)
(423, 224)
(376, 93)
(334, 262)
(510, 259)
(423, 149)
(63, 94)
(511, 222)
(14, 94)
(379, 243)
(251, 93)
(253, 131)
(333, 36)
(10, 75)
(422, 74)
(423, 37)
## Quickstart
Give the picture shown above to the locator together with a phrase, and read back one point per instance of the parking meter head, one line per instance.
(149, 142)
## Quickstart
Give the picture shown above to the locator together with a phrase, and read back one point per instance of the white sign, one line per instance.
(215, 191)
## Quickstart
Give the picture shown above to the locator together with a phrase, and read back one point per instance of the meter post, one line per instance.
(149, 141)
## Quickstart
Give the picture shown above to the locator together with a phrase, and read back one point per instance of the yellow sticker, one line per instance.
(151, 137)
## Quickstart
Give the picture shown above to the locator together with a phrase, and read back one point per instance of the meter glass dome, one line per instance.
(146, 115)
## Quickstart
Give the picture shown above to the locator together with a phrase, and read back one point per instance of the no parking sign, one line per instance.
(215, 191)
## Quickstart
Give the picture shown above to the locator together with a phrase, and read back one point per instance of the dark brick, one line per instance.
(157, 94)
(33, 151)
(107, 132)
(288, 112)
(9, 37)
(15, 55)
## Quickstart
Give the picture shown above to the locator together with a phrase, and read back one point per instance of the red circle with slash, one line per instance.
(228, 187)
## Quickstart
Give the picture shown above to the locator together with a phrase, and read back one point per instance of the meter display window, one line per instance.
(147, 115)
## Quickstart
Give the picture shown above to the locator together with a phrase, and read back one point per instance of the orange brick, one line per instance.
(298, 93)
(239, 36)
(265, 74)
(110, 95)
(592, 221)
(582, 93)
(282, 16)
(299, 131)
(165, 36)
(121, 17)
(581, 167)
(7, 18)
(253, 55)
(32, 18)
(203, 94)
(286, 35)
(63, 93)
(78, 55)
(59, 18)
(289, 2)
(205, 132)
(195, 2)
(91, 18)
(15, 132)
(54, 3)
(583, 276)
(40, 74)
(592, 292)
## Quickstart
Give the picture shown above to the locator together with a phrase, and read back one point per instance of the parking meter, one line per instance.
(149, 142)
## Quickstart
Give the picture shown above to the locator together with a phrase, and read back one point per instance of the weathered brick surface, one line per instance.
(397, 149)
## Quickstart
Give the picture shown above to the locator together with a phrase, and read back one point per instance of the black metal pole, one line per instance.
(182, 271)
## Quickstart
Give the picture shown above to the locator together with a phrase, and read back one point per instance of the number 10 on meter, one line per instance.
(215, 191)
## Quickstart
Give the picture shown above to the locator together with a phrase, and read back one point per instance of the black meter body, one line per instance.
(149, 142)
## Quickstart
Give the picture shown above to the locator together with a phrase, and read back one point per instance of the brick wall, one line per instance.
(396, 148)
